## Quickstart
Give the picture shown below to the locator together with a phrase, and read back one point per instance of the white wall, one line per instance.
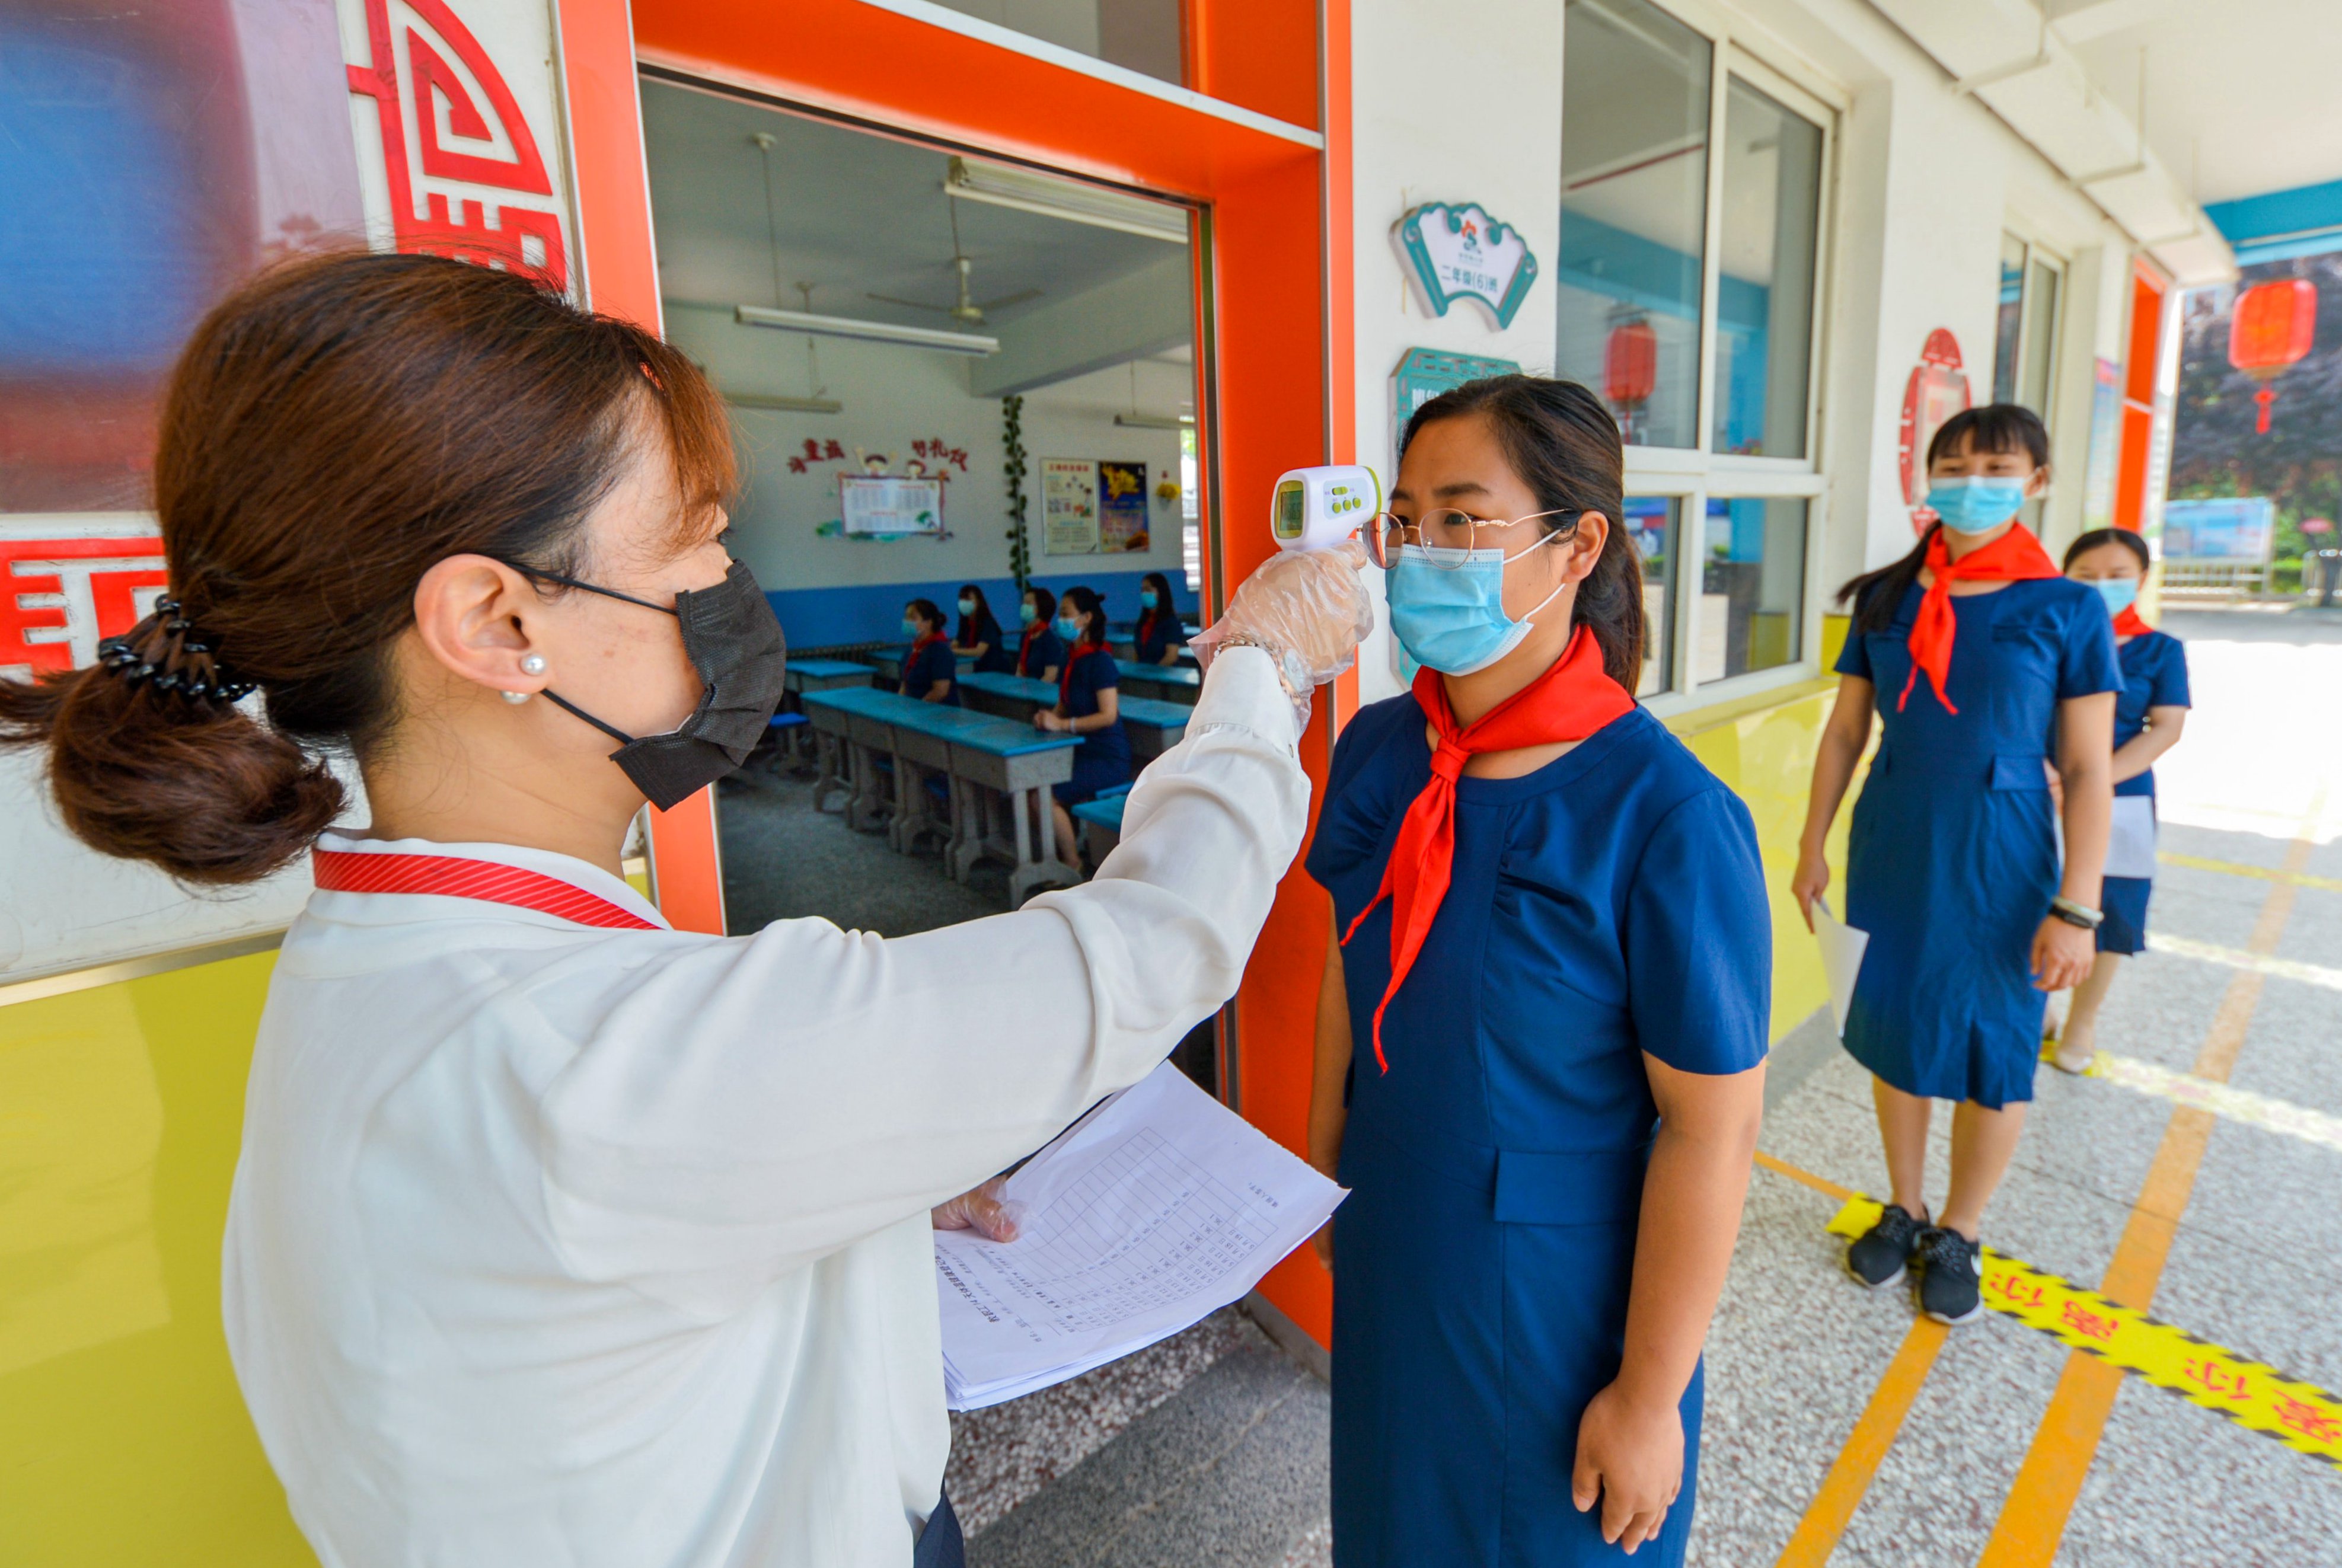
(894, 396)
(1455, 105)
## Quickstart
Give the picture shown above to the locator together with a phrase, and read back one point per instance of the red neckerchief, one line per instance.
(2128, 625)
(2016, 556)
(1065, 676)
(1573, 698)
(1145, 624)
(451, 876)
(1025, 646)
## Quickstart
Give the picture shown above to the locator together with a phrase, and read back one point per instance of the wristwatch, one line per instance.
(2073, 913)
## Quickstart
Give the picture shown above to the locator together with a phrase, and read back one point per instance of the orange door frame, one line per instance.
(2150, 294)
(1278, 237)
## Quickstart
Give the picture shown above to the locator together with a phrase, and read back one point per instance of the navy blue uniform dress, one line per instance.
(1043, 650)
(1954, 858)
(2154, 676)
(996, 659)
(1607, 904)
(1103, 759)
(1159, 633)
(928, 664)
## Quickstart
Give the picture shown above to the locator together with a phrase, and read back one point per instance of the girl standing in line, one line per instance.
(1088, 705)
(1040, 653)
(1972, 650)
(1159, 635)
(979, 634)
(1542, 1026)
(930, 673)
(2148, 715)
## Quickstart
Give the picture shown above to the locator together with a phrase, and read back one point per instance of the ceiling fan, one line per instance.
(967, 310)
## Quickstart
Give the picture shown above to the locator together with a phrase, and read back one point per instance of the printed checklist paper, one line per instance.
(1158, 1207)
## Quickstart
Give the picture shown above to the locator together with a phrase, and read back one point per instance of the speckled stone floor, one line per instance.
(1210, 1448)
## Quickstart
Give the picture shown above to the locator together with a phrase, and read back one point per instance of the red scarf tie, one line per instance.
(1025, 646)
(1065, 676)
(2016, 556)
(2128, 625)
(1573, 698)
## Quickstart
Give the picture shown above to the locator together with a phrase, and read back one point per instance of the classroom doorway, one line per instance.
(911, 337)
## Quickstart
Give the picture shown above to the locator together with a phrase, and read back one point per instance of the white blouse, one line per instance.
(556, 1245)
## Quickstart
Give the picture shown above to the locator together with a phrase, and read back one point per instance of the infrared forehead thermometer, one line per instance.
(1318, 508)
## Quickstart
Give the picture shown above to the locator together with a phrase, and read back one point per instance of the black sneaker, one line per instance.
(1951, 1290)
(1876, 1258)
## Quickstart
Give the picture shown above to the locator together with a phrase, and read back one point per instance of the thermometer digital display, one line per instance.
(1316, 508)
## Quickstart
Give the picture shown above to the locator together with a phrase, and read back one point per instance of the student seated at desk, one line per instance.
(979, 634)
(1159, 636)
(930, 672)
(1041, 653)
(1088, 705)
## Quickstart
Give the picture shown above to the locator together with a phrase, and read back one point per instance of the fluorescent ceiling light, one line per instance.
(1030, 192)
(967, 342)
(784, 405)
(1154, 422)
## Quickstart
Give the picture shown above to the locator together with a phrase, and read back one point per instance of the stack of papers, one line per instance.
(1157, 1208)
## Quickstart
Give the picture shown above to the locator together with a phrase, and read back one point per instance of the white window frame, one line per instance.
(1691, 475)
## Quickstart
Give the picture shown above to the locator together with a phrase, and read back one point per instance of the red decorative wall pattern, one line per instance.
(522, 238)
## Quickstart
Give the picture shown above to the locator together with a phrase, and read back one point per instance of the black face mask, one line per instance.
(734, 640)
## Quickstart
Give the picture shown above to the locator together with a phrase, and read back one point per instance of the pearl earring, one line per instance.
(533, 665)
(515, 698)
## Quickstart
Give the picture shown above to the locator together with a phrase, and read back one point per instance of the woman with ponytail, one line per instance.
(560, 1235)
(1541, 1028)
(1973, 652)
(2148, 716)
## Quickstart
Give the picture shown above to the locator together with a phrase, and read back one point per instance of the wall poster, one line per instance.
(1069, 507)
(890, 506)
(1122, 507)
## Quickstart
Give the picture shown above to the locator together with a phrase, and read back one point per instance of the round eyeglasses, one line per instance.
(1449, 536)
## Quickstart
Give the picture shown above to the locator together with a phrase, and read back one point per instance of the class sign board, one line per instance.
(1457, 251)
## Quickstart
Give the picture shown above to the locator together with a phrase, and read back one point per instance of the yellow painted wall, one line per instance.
(122, 1440)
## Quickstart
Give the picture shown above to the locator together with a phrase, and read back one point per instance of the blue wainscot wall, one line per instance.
(873, 613)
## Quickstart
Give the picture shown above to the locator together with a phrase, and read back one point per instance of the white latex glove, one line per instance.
(1308, 608)
(980, 1211)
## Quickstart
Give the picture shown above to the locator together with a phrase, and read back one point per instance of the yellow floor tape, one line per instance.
(2237, 958)
(2264, 873)
(2298, 1414)
(2222, 1100)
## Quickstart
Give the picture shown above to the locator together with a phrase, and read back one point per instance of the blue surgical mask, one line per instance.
(1451, 617)
(1975, 504)
(1071, 631)
(1026, 615)
(2119, 592)
(912, 629)
(967, 606)
(1146, 597)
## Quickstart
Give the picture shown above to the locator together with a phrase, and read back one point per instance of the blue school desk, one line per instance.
(992, 765)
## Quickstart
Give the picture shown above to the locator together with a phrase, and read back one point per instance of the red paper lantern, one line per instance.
(2273, 327)
(1630, 363)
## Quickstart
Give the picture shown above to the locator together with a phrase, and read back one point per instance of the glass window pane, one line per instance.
(1765, 296)
(149, 159)
(1651, 523)
(2008, 324)
(1634, 214)
(1752, 590)
(1143, 34)
(2040, 336)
